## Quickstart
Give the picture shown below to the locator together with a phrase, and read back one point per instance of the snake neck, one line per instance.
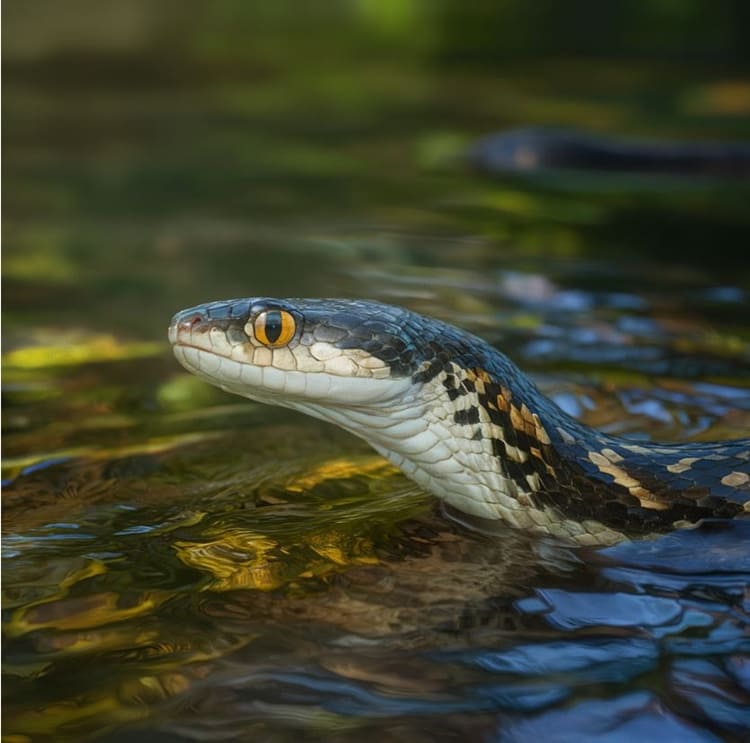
(504, 451)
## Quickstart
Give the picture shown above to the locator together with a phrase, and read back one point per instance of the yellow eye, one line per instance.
(274, 328)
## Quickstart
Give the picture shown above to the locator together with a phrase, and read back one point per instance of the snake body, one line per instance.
(458, 417)
(546, 149)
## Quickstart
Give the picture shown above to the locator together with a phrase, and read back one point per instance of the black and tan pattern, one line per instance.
(627, 486)
(459, 417)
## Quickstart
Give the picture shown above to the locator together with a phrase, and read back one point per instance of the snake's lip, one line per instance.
(185, 344)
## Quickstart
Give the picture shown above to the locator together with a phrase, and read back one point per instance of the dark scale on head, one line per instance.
(328, 334)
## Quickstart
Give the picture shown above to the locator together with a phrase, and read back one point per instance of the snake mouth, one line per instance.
(250, 380)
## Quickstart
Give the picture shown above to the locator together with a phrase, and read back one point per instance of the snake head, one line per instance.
(292, 351)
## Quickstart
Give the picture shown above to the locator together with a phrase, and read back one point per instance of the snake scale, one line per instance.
(458, 417)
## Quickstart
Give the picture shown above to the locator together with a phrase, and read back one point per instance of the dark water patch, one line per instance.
(623, 719)
(709, 695)
(713, 546)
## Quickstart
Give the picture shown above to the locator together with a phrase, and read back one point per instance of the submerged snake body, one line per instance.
(458, 417)
(548, 149)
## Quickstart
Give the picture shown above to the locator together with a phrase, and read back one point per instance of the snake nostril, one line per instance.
(190, 321)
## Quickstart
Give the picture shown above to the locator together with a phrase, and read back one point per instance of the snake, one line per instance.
(459, 418)
(547, 149)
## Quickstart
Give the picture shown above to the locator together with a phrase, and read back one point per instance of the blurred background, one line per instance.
(164, 153)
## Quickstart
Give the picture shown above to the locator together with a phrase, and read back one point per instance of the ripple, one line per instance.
(638, 716)
(570, 610)
(616, 659)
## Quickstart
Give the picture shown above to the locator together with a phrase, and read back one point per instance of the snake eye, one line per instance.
(274, 328)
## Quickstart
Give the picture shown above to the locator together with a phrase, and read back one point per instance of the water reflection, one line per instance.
(361, 621)
(629, 717)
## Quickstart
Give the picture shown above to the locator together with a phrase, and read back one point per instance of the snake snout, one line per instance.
(185, 323)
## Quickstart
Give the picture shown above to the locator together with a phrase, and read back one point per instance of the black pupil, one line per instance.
(273, 326)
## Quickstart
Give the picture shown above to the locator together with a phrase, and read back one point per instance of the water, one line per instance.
(182, 565)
